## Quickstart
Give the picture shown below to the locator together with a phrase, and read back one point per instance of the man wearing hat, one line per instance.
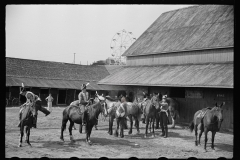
(164, 116)
(31, 100)
(83, 97)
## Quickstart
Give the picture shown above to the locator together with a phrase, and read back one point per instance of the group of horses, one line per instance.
(211, 121)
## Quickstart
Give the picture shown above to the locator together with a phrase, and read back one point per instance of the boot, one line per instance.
(166, 134)
(163, 133)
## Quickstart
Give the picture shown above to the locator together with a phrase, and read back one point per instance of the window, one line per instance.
(44, 91)
(177, 92)
(193, 93)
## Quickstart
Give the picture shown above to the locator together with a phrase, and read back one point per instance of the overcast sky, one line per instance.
(55, 32)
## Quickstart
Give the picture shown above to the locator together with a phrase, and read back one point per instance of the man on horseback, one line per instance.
(31, 100)
(164, 117)
(84, 101)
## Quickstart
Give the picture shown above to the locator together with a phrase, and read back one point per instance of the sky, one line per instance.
(56, 32)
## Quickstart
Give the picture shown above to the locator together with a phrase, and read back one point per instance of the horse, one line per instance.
(112, 107)
(151, 108)
(71, 113)
(26, 120)
(211, 120)
(173, 108)
(131, 110)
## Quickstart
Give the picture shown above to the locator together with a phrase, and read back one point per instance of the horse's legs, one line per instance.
(157, 120)
(122, 126)
(28, 135)
(153, 119)
(131, 124)
(21, 135)
(146, 130)
(205, 132)
(150, 124)
(89, 133)
(70, 129)
(137, 124)
(200, 134)
(80, 128)
(213, 136)
(196, 134)
(116, 130)
(111, 119)
(173, 122)
(63, 127)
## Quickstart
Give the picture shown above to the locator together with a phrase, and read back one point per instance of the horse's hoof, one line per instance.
(129, 133)
(89, 142)
(205, 150)
(62, 139)
(138, 132)
(20, 145)
(29, 144)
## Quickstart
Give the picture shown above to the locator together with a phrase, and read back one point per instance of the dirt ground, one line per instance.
(46, 143)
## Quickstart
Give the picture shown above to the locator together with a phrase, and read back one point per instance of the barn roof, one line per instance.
(53, 74)
(193, 28)
(188, 75)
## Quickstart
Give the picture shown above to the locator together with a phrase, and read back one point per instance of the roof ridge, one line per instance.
(50, 78)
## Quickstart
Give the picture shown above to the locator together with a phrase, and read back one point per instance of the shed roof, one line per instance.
(189, 75)
(193, 28)
(37, 73)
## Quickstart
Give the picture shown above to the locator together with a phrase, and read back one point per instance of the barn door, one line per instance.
(62, 96)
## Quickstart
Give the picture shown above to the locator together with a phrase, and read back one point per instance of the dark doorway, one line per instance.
(62, 96)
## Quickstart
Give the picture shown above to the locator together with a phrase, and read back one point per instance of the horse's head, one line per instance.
(155, 102)
(218, 112)
(103, 104)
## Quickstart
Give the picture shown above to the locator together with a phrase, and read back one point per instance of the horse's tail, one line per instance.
(191, 126)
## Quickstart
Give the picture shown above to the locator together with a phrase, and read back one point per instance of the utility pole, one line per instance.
(74, 58)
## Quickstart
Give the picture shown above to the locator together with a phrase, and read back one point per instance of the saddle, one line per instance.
(81, 109)
(203, 112)
(120, 110)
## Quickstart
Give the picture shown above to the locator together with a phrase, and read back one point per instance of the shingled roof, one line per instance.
(54, 70)
(55, 74)
(192, 28)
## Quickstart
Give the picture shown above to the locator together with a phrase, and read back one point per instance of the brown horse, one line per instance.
(173, 108)
(151, 109)
(72, 114)
(207, 120)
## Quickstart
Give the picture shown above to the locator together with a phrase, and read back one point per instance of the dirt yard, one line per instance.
(46, 143)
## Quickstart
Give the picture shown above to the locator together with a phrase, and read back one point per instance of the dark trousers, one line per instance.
(163, 120)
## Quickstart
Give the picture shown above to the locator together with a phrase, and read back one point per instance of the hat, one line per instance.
(83, 86)
(164, 96)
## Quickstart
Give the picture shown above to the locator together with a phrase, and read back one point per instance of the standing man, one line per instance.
(31, 100)
(164, 117)
(83, 97)
(49, 99)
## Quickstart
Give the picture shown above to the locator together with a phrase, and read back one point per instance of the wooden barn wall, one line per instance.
(188, 106)
(203, 56)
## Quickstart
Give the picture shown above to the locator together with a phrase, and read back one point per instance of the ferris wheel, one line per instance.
(119, 44)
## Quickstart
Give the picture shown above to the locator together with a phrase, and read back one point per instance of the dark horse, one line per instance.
(151, 109)
(207, 120)
(27, 121)
(72, 114)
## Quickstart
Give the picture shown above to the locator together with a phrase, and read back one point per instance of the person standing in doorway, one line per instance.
(49, 99)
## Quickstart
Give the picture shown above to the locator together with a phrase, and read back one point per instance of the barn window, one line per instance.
(193, 93)
(177, 92)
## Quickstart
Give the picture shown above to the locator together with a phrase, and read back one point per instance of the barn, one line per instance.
(188, 54)
(62, 80)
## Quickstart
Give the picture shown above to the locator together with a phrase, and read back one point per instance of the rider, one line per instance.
(31, 100)
(84, 101)
(164, 116)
